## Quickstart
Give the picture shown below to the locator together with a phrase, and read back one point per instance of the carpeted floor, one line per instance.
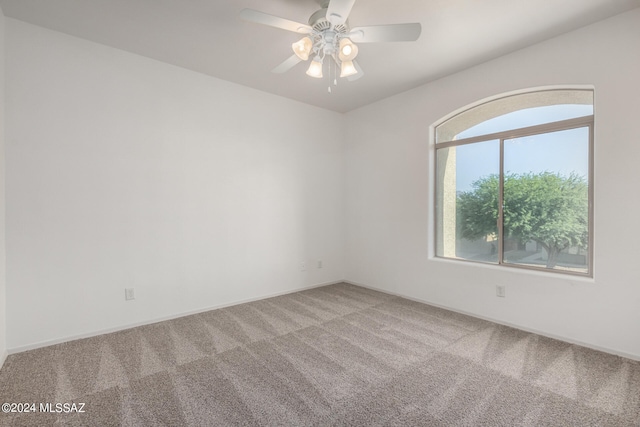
(336, 355)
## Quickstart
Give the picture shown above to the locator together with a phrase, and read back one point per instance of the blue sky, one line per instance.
(561, 152)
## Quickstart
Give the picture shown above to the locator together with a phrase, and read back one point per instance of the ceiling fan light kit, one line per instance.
(329, 34)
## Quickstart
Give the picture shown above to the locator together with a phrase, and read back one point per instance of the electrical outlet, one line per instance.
(319, 263)
(303, 266)
(129, 294)
(501, 291)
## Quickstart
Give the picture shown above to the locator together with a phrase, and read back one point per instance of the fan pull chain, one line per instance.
(335, 76)
(329, 86)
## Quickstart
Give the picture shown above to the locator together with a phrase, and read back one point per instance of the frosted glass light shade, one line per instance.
(315, 69)
(302, 48)
(347, 69)
(348, 51)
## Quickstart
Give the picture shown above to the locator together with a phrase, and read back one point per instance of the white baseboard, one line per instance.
(511, 325)
(156, 320)
(175, 316)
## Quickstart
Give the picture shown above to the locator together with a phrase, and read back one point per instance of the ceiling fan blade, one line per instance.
(386, 33)
(288, 64)
(338, 11)
(258, 17)
(356, 76)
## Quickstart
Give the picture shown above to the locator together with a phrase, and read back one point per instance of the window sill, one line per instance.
(505, 268)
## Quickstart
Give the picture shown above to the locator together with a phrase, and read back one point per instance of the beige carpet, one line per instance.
(336, 355)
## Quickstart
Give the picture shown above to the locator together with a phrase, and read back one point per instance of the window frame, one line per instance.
(502, 136)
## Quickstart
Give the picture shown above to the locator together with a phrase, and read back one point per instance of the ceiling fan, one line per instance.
(328, 35)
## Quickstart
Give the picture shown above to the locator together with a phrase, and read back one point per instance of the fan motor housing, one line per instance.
(318, 21)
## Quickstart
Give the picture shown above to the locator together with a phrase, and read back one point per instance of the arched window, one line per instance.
(514, 182)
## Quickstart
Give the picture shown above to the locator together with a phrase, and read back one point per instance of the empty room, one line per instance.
(319, 212)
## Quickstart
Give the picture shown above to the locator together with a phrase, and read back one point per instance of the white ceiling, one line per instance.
(207, 36)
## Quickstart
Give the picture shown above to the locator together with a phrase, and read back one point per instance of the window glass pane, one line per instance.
(467, 201)
(526, 118)
(516, 111)
(546, 211)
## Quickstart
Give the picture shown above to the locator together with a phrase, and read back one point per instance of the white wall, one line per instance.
(126, 172)
(3, 301)
(389, 183)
